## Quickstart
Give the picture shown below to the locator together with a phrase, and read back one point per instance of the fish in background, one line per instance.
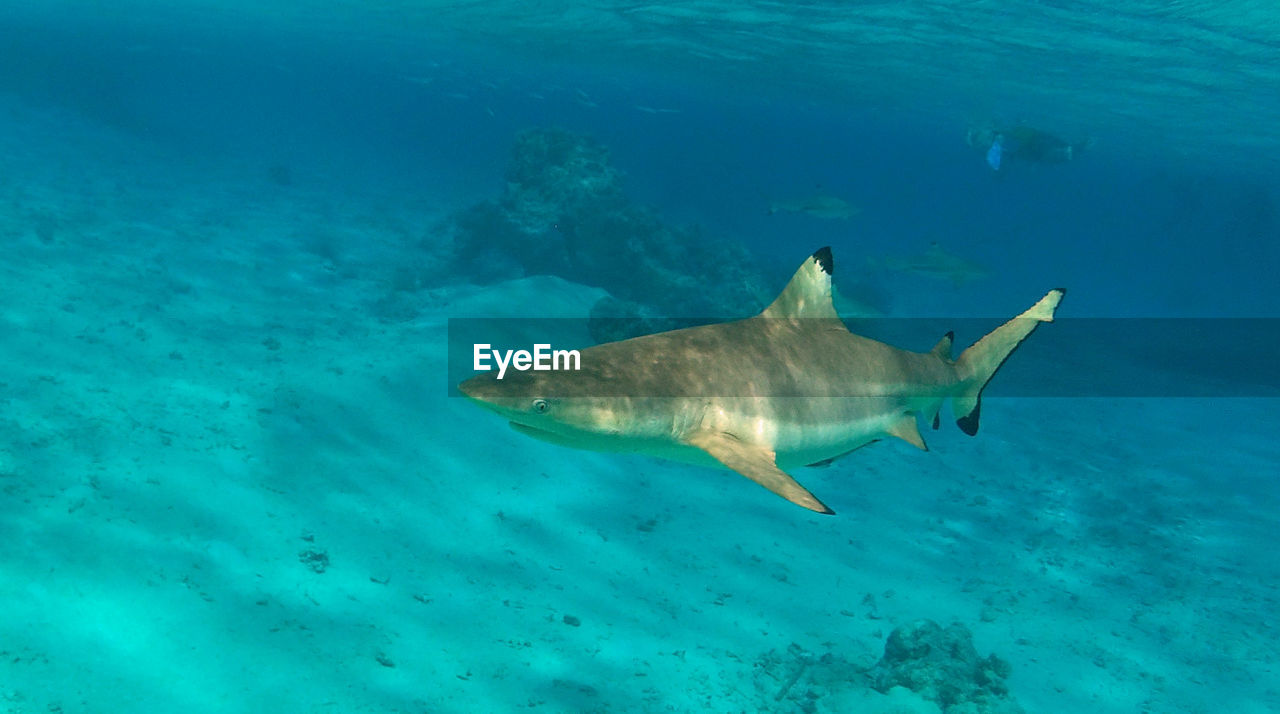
(934, 263)
(1023, 143)
(819, 205)
(860, 299)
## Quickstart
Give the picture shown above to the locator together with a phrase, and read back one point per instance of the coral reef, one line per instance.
(564, 213)
(942, 665)
(925, 668)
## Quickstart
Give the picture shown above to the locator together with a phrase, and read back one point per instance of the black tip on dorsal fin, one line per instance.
(808, 294)
(823, 256)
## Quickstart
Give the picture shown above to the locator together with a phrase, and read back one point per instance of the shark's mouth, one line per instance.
(526, 429)
(542, 434)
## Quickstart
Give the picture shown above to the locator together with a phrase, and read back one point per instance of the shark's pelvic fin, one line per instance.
(756, 463)
(809, 292)
(827, 462)
(907, 430)
(977, 364)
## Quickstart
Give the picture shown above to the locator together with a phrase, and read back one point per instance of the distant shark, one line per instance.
(934, 263)
(788, 387)
(818, 206)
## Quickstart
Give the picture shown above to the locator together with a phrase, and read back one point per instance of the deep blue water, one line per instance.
(1149, 223)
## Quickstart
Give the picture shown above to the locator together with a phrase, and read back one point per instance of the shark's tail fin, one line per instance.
(977, 364)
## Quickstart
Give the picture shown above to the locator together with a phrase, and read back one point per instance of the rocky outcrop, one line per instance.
(564, 212)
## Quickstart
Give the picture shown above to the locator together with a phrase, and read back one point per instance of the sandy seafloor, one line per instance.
(203, 390)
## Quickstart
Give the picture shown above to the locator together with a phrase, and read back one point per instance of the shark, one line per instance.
(818, 206)
(935, 263)
(791, 386)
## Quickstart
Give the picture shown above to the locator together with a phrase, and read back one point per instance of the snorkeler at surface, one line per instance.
(1023, 143)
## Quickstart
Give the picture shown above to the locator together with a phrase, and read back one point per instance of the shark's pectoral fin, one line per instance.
(907, 430)
(756, 463)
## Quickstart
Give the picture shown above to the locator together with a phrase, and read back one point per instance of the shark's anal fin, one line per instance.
(756, 463)
(907, 430)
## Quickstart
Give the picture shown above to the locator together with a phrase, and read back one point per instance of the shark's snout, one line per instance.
(482, 388)
(507, 397)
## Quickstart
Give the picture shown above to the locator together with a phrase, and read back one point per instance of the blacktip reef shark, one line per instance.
(789, 387)
(934, 263)
(818, 206)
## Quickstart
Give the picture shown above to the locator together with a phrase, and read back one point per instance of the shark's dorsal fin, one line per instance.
(943, 348)
(809, 292)
(907, 430)
(756, 463)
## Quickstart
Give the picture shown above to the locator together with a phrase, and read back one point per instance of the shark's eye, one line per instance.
(540, 406)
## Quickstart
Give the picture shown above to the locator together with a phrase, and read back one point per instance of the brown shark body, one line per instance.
(785, 388)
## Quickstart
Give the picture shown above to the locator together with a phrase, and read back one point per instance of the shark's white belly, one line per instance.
(799, 436)
(801, 445)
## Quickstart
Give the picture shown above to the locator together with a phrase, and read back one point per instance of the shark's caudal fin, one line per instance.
(977, 364)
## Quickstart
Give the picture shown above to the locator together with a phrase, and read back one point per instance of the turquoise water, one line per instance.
(231, 478)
